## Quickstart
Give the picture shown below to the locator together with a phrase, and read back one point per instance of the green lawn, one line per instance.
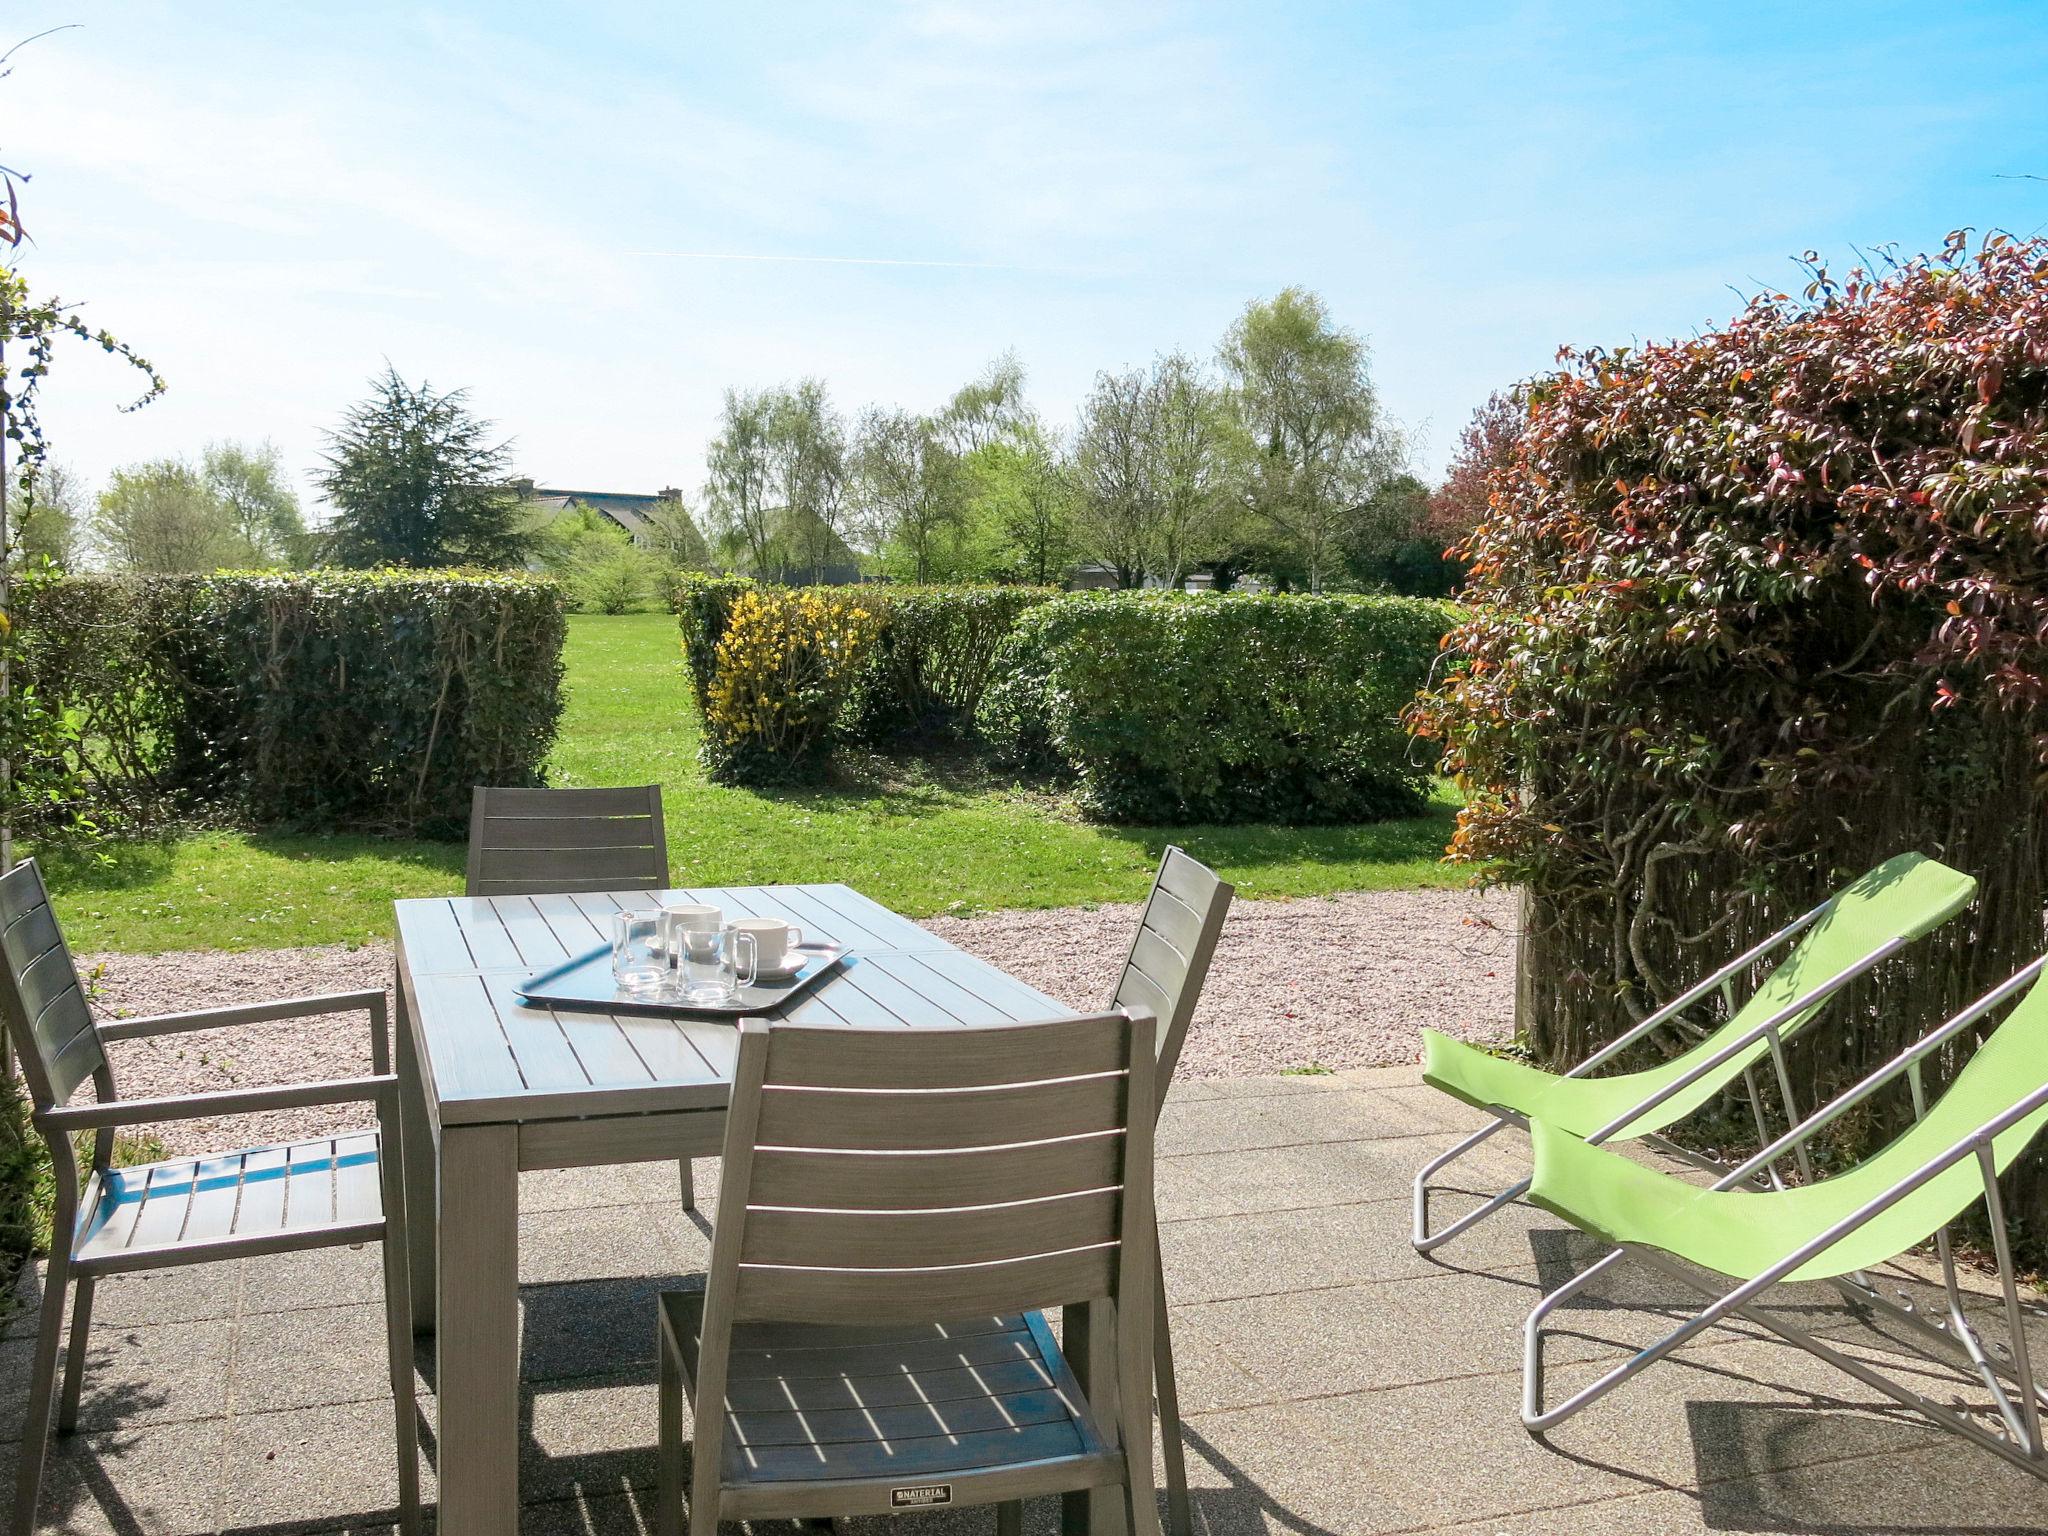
(920, 838)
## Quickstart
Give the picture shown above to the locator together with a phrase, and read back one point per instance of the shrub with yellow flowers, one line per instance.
(782, 672)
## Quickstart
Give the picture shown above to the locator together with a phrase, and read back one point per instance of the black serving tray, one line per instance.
(585, 983)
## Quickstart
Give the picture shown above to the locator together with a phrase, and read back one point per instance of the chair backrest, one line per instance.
(41, 1001)
(534, 842)
(1903, 899)
(1171, 950)
(2005, 1071)
(913, 1176)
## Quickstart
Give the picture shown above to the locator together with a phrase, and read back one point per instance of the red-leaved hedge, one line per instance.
(1751, 611)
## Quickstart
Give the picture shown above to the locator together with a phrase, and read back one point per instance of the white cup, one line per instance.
(773, 939)
(679, 919)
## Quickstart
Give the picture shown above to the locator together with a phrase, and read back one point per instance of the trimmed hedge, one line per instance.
(1224, 708)
(933, 659)
(364, 699)
(924, 677)
(780, 675)
(86, 720)
(703, 606)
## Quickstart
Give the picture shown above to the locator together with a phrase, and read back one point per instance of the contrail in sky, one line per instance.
(852, 261)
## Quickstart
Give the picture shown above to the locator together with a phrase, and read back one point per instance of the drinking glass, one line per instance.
(709, 960)
(638, 964)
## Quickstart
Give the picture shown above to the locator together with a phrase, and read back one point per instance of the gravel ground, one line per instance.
(1335, 982)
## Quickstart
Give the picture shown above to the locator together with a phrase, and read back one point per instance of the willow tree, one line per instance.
(1319, 446)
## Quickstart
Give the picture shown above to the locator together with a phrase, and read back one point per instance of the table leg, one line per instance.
(1088, 1339)
(478, 1348)
(417, 1148)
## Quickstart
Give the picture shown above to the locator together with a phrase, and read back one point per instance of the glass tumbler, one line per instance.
(708, 971)
(638, 964)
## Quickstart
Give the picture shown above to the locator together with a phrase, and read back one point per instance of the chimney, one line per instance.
(523, 485)
(670, 493)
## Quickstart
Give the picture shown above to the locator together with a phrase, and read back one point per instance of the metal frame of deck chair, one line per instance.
(1661, 1095)
(940, 1186)
(280, 1199)
(546, 842)
(1835, 1243)
(1163, 973)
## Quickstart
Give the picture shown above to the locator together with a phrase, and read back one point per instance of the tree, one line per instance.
(989, 409)
(1115, 508)
(807, 459)
(673, 538)
(162, 517)
(912, 489)
(1154, 467)
(739, 488)
(1391, 546)
(250, 485)
(1317, 445)
(415, 478)
(598, 563)
(53, 515)
(1028, 495)
(1192, 434)
(1460, 504)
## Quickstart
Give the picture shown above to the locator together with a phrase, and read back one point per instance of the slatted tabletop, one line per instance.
(490, 1087)
(490, 1058)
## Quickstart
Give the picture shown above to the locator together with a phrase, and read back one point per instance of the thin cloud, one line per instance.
(857, 261)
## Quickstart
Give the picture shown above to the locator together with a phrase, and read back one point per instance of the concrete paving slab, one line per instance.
(310, 1357)
(1184, 1191)
(1346, 1172)
(1257, 1087)
(133, 1376)
(593, 1244)
(570, 1189)
(588, 1439)
(155, 1296)
(1234, 1124)
(1335, 1383)
(156, 1480)
(592, 1327)
(1323, 1247)
(311, 1469)
(319, 1277)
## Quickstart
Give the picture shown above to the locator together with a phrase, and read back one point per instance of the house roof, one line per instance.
(629, 510)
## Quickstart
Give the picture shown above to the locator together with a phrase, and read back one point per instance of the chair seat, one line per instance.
(299, 1194)
(895, 1405)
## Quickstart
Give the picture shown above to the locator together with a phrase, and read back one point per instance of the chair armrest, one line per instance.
(259, 1013)
(380, 1089)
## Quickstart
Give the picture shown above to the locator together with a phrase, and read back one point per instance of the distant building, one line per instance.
(1094, 576)
(624, 508)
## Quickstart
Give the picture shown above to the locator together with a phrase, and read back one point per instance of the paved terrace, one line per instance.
(1334, 1382)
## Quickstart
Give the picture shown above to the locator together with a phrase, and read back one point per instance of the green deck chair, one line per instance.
(1862, 924)
(1835, 1228)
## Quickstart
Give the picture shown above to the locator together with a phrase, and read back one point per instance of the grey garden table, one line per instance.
(491, 1087)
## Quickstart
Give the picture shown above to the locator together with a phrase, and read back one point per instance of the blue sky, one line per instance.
(597, 217)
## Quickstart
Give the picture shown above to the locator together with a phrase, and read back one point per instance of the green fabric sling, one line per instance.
(1903, 898)
(1742, 1234)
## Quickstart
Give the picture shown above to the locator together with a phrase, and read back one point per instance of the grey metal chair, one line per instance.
(542, 842)
(537, 842)
(1163, 974)
(940, 1186)
(261, 1200)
